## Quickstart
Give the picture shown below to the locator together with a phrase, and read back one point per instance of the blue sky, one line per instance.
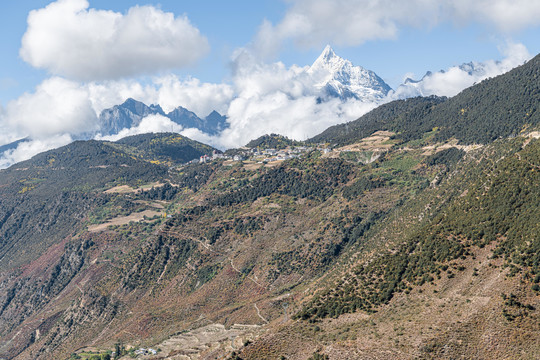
(227, 25)
(64, 61)
(232, 24)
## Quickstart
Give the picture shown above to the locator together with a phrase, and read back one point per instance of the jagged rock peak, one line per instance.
(327, 53)
(329, 60)
(338, 77)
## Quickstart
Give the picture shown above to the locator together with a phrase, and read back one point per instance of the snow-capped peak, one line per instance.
(338, 77)
(327, 54)
(329, 63)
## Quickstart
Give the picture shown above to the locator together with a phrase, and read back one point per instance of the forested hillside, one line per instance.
(499, 107)
(166, 148)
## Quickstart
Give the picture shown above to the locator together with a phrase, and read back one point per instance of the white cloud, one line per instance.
(168, 91)
(57, 106)
(7, 135)
(455, 79)
(271, 98)
(198, 135)
(27, 149)
(149, 124)
(504, 15)
(312, 23)
(197, 96)
(69, 39)
(299, 118)
(263, 98)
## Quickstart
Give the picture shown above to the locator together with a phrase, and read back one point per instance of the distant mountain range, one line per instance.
(427, 85)
(131, 113)
(333, 77)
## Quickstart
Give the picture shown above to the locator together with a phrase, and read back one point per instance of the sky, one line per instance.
(64, 61)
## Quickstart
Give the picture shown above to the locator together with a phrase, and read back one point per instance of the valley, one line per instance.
(411, 232)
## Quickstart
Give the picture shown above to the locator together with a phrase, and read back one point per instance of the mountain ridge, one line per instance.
(130, 113)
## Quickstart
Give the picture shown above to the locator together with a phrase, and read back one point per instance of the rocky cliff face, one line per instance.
(125, 116)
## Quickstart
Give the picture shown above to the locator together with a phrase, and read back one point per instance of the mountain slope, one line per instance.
(168, 148)
(451, 273)
(499, 107)
(392, 116)
(317, 223)
(394, 244)
(52, 188)
(44, 199)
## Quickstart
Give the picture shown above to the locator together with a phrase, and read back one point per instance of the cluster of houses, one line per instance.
(143, 351)
(216, 156)
(258, 155)
(269, 155)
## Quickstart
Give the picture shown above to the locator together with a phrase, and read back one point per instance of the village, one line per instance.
(375, 144)
(258, 155)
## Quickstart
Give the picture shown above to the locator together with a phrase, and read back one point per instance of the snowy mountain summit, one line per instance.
(338, 77)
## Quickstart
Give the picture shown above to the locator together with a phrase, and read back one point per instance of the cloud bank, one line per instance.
(150, 124)
(453, 80)
(69, 39)
(57, 106)
(313, 23)
(169, 91)
(279, 99)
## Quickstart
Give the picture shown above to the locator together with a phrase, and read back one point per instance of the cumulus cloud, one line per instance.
(57, 106)
(201, 98)
(299, 118)
(455, 79)
(273, 98)
(505, 15)
(311, 23)
(25, 150)
(6, 135)
(69, 39)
